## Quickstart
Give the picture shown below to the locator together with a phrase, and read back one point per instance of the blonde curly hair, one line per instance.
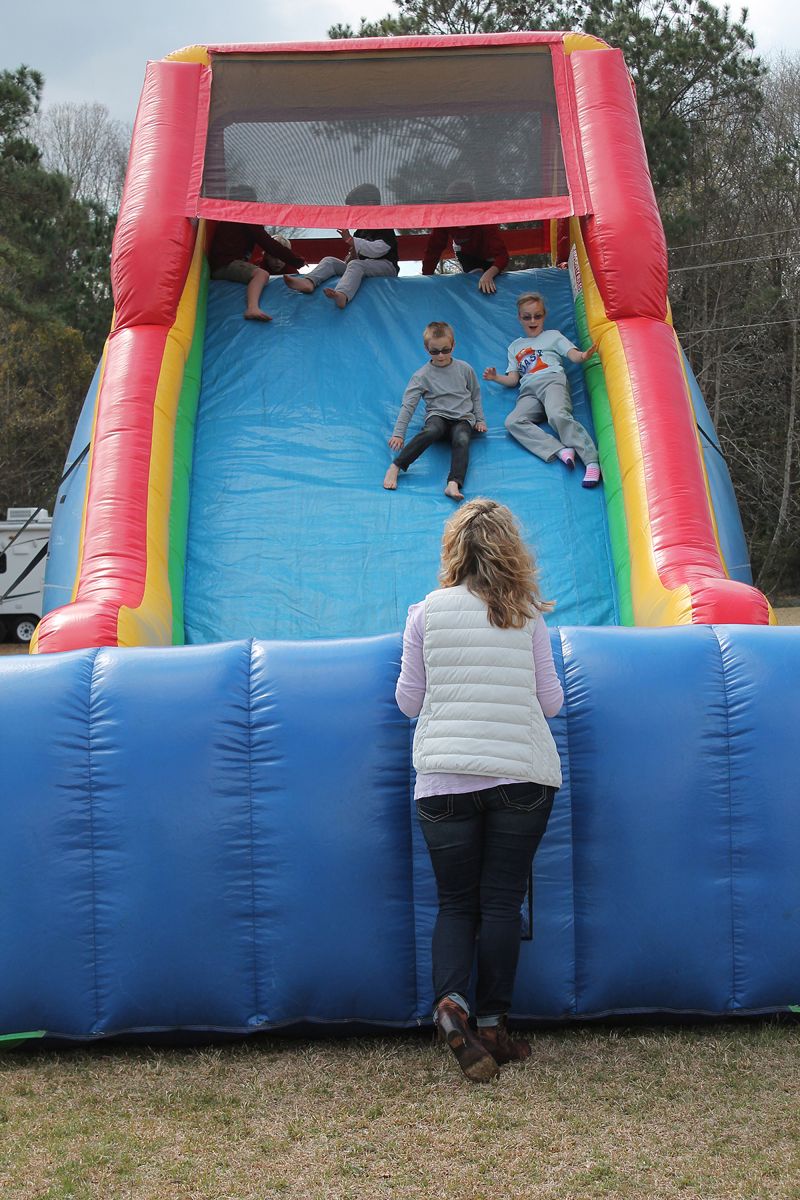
(483, 548)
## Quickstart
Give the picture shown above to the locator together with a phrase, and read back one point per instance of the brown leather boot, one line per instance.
(500, 1044)
(471, 1055)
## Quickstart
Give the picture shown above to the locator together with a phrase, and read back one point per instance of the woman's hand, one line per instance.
(395, 443)
(481, 427)
(486, 283)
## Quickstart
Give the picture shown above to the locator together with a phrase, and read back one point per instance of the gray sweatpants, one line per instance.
(545, 396)
(351, 272)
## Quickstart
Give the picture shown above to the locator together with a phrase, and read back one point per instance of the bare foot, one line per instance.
(339, 297)
(298, 284)
(255, 314)
(452, 491)
(390, 478)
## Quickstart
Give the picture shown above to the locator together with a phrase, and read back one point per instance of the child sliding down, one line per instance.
(534, 363)
(452, 410)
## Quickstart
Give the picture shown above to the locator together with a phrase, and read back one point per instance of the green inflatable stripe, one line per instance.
(612, 482)
(9, 1040)
(182, 464)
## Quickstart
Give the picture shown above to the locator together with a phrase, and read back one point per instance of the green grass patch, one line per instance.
(706, 1112)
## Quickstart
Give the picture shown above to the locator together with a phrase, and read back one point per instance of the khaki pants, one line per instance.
(351, 272)
(545, 396)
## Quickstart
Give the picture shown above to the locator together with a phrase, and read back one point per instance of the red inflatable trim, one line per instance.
(624, 238)
(153, 245)
(685, 548)
(356, 45)
(410, 216)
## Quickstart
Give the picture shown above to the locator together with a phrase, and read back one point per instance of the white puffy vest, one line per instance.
(480, 715)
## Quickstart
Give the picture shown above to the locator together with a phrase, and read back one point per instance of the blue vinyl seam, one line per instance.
(734, 980)
(414, 878)
(92, 846)
(257, 1008)
(335, 1024)
(574, 998)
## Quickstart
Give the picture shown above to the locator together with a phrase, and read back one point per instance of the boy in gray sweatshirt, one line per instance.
(453, 410)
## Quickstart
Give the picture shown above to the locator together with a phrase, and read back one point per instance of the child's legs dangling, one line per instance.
(359, 269)
(523, 424)
(558, 406)
(434, 429)
(255, 287)
(460, 438)
(325, 270)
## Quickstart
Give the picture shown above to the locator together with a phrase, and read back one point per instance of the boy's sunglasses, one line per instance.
(435, 353)
(532, 316)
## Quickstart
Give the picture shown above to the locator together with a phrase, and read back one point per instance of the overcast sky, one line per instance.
(97, 49)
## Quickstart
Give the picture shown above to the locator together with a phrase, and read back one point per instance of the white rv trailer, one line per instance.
(20, 612)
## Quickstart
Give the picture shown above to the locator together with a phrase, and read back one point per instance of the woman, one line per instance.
(478, 671)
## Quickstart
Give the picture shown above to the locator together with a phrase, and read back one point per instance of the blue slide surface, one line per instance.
(291, 534)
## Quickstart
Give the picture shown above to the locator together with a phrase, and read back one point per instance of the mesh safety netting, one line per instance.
(305, 130)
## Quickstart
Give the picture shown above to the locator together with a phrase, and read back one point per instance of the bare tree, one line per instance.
(735, 286)
(89, 146)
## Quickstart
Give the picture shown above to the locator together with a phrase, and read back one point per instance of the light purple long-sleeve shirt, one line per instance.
(410, 694)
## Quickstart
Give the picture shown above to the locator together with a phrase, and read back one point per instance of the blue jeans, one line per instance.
(437, 429)
(481, 846)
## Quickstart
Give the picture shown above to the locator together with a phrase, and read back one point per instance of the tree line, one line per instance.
(61, 173)
(722, 131)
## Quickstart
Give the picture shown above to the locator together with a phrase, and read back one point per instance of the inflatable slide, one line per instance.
(217, 831)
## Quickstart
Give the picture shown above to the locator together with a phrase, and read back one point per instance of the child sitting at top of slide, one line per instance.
(534, 363)
(478, 248)
(452, 409)
(230, 251)
(370, 253)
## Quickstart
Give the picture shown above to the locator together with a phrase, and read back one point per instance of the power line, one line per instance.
(752, 325)
(732, 262)
(742, 237)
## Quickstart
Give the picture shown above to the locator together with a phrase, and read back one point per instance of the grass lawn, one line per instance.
(701, 1113)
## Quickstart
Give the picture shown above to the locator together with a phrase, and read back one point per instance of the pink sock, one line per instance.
(591, 476)
(567, 457)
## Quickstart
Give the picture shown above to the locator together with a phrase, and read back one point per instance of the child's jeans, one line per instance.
(437, 429)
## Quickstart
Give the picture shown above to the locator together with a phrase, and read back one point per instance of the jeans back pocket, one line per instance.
(434, 808)
(526, 797)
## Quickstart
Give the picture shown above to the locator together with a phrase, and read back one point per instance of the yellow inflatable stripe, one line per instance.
(190, 54)
(150, 623)
(583, 41)
(653, 604)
